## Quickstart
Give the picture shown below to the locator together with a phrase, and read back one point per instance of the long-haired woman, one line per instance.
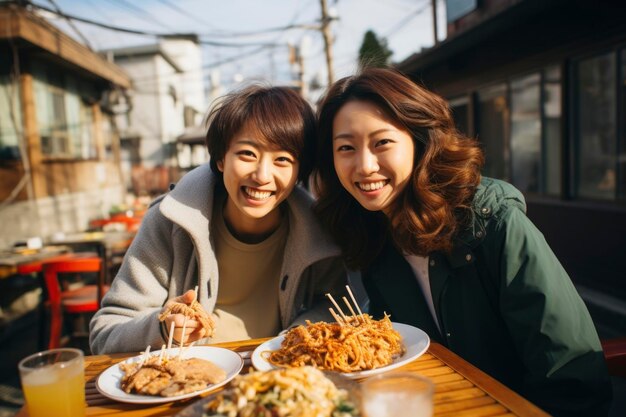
(442, 248)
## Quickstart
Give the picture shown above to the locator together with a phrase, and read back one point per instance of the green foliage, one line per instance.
(373, 52)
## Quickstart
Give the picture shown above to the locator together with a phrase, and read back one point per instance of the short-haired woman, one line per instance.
(239, 228)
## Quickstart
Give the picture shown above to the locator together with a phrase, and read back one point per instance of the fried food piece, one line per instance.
(140, 379)
(196, 369)
(195, 311)
(157, 385)
(169, 377)
(183, 387)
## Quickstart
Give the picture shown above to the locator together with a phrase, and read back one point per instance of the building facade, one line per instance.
(59, 152)
(168, 98)
(541, 84)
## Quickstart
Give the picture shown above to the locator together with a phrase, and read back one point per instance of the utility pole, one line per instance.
(434, 3)
(328, 41)
(296, 59)
(304, 87)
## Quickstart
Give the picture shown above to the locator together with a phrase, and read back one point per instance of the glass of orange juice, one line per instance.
(53, 382)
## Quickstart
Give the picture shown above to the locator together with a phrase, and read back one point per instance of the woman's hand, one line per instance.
(193, 330)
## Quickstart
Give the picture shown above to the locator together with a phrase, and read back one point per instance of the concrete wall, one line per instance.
(155, 115)
(145, 114)
(188, 56)
(65, 213)
(170, 116)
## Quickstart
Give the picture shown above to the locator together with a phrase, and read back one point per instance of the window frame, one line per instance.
(574, 138)
(61, 136)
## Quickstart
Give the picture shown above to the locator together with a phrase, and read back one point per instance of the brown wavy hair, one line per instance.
(279, 114)
(436, 203)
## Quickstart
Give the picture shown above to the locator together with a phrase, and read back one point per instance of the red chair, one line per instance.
(85, 299)
(615, 355)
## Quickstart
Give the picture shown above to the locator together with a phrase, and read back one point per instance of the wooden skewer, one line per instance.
(345, 300)
(145, 355)
(171, 336)
(161, 354)
(355, 303)
(343, 316)
(182, 339)
(337, 318)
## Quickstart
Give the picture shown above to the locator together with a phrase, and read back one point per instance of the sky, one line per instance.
(406, 25)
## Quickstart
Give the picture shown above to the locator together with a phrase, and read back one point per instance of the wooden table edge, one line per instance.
(498, 391)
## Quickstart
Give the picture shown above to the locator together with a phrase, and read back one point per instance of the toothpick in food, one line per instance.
(182, 338)
(354, 301)
(171, 336)
(343, 316)
(337, 318)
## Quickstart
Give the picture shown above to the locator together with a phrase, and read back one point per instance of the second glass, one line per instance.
(397, 394)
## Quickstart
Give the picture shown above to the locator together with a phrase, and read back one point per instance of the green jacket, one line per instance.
(505, 304)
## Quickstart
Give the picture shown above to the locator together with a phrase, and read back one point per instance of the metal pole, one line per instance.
(434, 7)
(325, 28)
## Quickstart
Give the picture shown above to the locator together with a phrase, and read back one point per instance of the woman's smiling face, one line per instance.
(257, 178)
(373, 157)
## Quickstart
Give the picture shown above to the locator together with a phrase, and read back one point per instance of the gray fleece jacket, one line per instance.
(173, 252)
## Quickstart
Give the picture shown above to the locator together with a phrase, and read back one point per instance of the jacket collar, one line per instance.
(394, 279)
(190, 205)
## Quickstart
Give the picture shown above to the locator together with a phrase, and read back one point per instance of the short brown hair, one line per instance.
(279, 114)
(437, 201)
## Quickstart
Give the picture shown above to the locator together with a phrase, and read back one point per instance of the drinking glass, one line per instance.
(53, 382)
(397, 394)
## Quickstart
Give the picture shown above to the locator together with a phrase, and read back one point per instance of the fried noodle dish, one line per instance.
(356, 343)
(297, 392)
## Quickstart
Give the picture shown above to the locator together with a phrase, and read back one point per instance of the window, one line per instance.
(595, 127)
(621, 147)
(526, 133)
(10, 114)
(551, 131)
(460, 113)
(64, 114)
(492, 130)
(519, 126)
(53, 129)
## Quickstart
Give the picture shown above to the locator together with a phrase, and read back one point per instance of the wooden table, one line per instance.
(105, 244)
(460, 388)
(28, 261)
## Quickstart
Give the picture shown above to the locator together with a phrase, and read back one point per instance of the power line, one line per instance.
(98, 11)
(147, 33)
(244, 55)
(72, 25)
(407, 19)
(236, 45)
(203, 41)
(140, 12)
(164, 34)
(102, 25)
(185, 12)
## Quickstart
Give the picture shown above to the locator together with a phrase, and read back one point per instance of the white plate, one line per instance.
(415, 340)
(109, 381)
